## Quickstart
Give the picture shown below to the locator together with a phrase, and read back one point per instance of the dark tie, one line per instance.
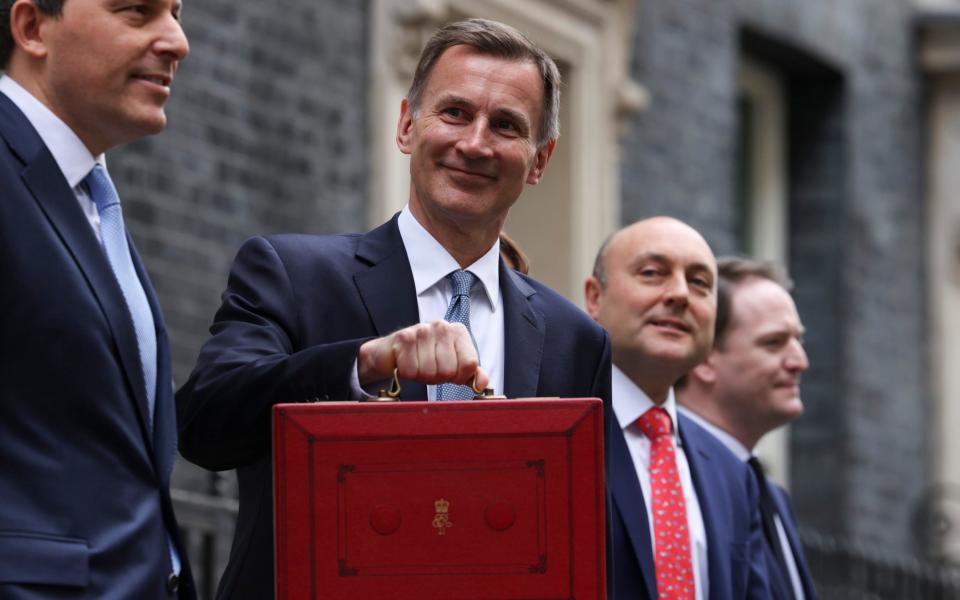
(767, 512)
(458, 311)
(672, 561)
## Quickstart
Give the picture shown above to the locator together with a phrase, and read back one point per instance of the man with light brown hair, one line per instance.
(308, 317)
(749, 385)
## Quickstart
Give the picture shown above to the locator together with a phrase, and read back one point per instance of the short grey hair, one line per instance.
(600, 262)
(494, 39)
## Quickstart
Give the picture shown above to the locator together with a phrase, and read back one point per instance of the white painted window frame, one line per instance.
(767, 209)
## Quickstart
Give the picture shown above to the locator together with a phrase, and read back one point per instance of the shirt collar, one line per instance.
(431, 263)
(630, 402)
(70, 154)
(732, 443)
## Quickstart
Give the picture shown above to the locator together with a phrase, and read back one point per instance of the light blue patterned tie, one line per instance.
(459, 312)
(114, 241)
(113, 238)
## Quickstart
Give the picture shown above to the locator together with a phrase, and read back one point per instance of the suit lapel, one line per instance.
(698, 459)
(388, 290)
(50, 190)
(164, 418)
(524, 330)
(629, 502)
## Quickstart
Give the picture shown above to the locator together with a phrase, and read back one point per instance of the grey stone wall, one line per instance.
(859, 455)
(267, 132)
(676, 153)
(818, 192)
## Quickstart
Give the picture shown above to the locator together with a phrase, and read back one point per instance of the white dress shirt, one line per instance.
(430, 264)
(629, 403)
(70, 154)
(741, 452)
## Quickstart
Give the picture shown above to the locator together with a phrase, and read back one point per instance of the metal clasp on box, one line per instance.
(393, 394)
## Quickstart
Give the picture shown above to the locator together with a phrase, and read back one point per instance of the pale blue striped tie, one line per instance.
(459, 312)
(113, 238)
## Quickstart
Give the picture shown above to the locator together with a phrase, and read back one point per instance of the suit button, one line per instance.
(173, 583)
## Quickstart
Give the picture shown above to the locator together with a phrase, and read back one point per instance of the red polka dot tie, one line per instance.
(671, 555)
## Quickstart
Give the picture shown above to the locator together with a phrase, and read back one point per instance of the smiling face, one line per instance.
(472, 144)
(658, 302)
(107, 67)
(758, 365)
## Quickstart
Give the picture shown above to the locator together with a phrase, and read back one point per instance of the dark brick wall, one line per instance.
(818, 191)
(859, 455)
(267, 132)
(675, 155)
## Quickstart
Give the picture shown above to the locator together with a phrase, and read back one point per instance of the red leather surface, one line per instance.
(494, 499)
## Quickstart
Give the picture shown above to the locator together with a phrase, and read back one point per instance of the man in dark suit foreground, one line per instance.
(683, 511)
(87, 425)
(749, 385)
(329, 317)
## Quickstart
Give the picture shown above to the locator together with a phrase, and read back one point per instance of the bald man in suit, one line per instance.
(683, 510)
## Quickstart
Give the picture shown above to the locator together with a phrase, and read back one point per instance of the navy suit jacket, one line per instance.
(84, 483)
(780, 585)
(727, 493)
(294, 314)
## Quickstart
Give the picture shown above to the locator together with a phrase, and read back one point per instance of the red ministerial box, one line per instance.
(494, 499)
